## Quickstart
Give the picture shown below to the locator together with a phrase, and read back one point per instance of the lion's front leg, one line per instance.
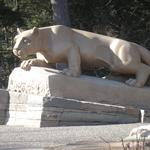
(26, 64)
(74, 62)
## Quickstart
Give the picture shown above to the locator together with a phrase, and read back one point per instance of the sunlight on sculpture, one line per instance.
(80, 50)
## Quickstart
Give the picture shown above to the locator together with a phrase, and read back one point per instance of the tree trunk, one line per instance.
(60, 12)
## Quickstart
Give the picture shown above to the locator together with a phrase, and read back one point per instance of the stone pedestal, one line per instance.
(44, 97)
(49, 82)
(39, 111)
(4, 105)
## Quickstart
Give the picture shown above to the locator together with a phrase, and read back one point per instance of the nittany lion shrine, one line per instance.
(41, 94)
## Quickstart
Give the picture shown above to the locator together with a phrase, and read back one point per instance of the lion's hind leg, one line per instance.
(142, 74)
(131, 64)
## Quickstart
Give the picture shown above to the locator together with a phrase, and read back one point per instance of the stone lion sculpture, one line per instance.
(82, 49)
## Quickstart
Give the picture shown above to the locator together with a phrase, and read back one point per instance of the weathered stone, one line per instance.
(4, 99)
(79, 102)
(24, 122)
(2, 121)
(3, 114)
(70, 123)
(29, 82)
(62, 102)
(89, 106)
(3, 117)
(49, 82)
(18, 107)
(95, 117)
(147, 116)
(88, 116)
(18, 97)
(100, 90)
(50, 111)
(4, 106)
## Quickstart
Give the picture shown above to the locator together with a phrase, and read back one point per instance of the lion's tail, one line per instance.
(145, 54)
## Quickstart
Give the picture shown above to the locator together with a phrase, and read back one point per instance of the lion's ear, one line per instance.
(35, 31)
(19, 30)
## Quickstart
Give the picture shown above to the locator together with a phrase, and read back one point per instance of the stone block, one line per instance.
(45, 97)
(24, 122)
(89, 111)
(72, 104)
(4, 106)
(147, 116)
(3, 117)
(101, 91)
(34, 82)
(4, 99)
(49, 82)
(50, 111)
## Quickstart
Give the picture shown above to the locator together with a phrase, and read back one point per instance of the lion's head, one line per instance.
(26, 42)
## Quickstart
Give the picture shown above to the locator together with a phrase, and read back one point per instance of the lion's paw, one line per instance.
(72, 73)
(26, 64)
(133, 82)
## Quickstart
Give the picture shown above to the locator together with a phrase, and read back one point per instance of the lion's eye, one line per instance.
(27, 41)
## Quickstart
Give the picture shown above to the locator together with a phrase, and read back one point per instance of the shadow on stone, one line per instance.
(70, 112)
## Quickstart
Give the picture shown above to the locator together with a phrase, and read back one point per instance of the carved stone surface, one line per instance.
(33, 82)
(49, 82)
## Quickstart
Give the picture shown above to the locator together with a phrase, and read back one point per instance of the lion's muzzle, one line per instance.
(18, 53)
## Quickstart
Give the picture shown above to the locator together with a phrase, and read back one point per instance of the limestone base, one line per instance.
(44, 97)
(38, 111)
(49, 82)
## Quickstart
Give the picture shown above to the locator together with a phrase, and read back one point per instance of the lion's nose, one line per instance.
(15, 51)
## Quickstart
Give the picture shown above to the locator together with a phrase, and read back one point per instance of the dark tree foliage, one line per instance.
(13, 14)
(126, 19)
(9, 17)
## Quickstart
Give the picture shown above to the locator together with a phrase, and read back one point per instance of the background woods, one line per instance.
(128, 20)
